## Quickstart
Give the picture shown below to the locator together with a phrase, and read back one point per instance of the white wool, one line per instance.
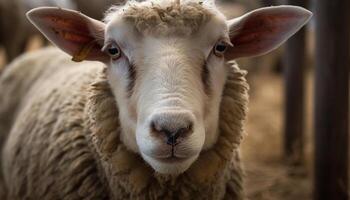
(163, 17)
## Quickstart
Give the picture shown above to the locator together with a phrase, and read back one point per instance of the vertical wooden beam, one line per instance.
(294, 62)
(332, 99)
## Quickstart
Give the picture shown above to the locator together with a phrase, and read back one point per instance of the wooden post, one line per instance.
(294, 62)
(332, 99)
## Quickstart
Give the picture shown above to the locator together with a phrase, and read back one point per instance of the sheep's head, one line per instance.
(166, 65)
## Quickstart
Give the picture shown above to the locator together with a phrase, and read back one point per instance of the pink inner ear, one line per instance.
(261, 32)
(69, 30)
(73, 32)
(73, 35)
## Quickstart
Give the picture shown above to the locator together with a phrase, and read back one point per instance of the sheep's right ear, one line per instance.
(78, 35)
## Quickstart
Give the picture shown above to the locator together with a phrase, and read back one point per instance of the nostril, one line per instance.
(155, 127)
(172, 140)
(182, 132)
(171, 130)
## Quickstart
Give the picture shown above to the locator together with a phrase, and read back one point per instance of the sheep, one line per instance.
(158, 113)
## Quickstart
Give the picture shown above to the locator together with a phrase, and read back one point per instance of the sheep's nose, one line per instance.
(172, 126)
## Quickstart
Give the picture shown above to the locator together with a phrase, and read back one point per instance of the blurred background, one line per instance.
(278, 149)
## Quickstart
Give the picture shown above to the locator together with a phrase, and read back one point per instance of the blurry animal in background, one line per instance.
(159, 116)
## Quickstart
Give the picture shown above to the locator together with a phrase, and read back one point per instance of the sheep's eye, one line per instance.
(113, 51)
(220, 48)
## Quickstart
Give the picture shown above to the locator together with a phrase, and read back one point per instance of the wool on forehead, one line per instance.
(164, 17)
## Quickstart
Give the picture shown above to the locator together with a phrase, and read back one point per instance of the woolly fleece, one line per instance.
(61, 124)
(163, 18)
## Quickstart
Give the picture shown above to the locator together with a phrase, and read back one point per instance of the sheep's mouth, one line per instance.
(171, 159)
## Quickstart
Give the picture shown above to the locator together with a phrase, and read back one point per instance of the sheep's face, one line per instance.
(166, 66)
(168, 90)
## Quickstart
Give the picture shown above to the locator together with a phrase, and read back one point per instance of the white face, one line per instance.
(168, 91)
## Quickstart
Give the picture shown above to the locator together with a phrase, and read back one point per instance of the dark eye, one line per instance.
(220, 48)
(113, 51)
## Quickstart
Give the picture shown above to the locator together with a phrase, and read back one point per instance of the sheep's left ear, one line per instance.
(263, 30)
(76, 34)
